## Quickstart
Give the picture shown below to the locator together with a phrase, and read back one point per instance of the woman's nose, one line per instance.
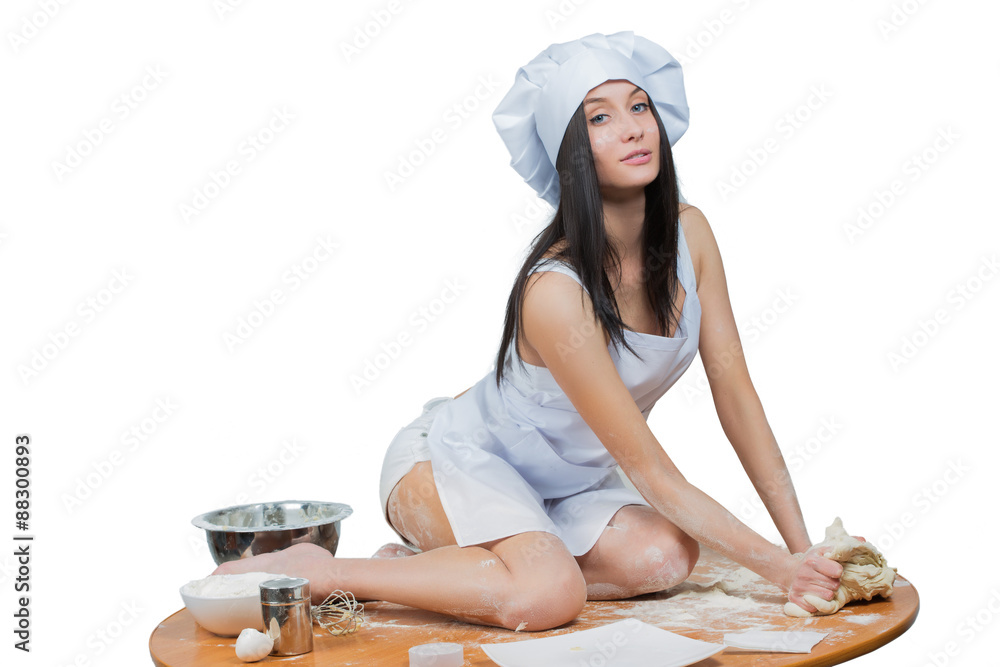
(631, 128)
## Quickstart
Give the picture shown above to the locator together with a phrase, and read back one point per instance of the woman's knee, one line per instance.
(651, 553)
(671, 561)
(542, 607)
(547, 590)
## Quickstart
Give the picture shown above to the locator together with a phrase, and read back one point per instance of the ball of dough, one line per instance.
(253, 645)
(866, 573)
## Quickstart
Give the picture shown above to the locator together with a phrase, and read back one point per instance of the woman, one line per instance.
(510, 489)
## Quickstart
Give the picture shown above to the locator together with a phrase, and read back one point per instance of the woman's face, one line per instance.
(623, 137)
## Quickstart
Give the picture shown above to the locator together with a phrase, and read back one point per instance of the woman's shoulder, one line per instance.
(697, 235)
(551, 262)
(552, 273)
(553, 301)
(687, 214)
(551, 265)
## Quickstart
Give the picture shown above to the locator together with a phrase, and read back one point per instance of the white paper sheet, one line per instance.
(789, 641)
(628, 643)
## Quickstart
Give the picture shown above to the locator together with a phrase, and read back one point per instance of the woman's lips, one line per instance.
(638, 157)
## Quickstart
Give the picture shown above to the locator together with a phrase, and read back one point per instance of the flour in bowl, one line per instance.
(229, 585)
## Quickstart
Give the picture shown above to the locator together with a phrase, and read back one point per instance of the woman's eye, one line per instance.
(640, 104)
(600, 115)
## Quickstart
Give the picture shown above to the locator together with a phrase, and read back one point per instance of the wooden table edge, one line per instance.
(822, 660)
(874, 643)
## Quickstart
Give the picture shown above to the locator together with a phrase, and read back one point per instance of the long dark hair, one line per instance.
(579, 220)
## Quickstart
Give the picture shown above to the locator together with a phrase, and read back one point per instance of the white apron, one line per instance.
(520, 458)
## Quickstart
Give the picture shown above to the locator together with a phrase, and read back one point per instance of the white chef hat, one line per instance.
(532, 117)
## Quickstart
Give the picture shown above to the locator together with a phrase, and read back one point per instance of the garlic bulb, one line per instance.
(253, 645)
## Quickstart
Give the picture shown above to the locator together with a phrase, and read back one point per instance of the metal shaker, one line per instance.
(287, 608)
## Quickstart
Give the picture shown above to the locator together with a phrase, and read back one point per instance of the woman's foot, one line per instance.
(393, 550)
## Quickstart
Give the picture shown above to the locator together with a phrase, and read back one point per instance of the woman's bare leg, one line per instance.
(528, 580)
(639, 552)
(416, 512)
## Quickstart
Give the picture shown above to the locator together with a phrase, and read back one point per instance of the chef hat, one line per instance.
(532, 117)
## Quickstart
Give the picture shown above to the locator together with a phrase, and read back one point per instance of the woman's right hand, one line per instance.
(814, 575)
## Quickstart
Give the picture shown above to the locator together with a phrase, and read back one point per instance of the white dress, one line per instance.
(520, 457)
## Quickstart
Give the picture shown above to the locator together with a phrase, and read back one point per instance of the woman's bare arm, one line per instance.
(559, 324)
(736, 401)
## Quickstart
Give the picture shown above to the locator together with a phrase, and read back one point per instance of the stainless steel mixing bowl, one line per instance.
(242, 531)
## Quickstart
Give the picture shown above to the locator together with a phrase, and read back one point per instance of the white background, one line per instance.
(821, 311)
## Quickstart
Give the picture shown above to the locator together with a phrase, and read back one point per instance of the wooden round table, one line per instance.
(719, 597)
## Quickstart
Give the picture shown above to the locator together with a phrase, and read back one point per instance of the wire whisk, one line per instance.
(340, 613)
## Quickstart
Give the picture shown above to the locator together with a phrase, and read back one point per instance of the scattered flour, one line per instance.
(861, 619)
(717, 595)
(739, 579)
(712, 605)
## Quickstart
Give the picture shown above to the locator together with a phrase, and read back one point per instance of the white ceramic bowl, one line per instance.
(227, 616)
